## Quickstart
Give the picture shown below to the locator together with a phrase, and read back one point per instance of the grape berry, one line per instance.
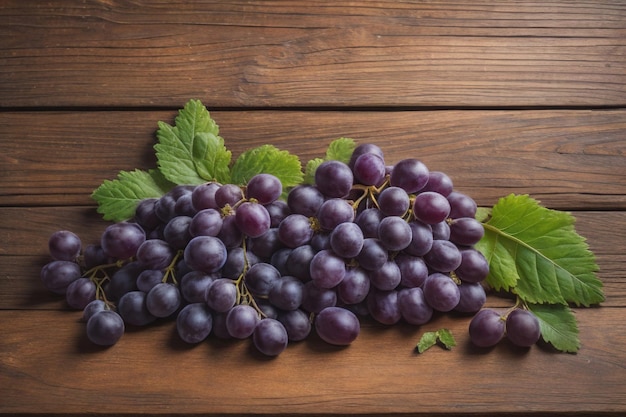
(392, 242)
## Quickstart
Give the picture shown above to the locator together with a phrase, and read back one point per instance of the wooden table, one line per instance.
(523, 97)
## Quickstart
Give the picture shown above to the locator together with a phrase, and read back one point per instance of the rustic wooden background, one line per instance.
(523, 97)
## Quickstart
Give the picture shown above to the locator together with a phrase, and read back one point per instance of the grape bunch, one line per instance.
(392, 242)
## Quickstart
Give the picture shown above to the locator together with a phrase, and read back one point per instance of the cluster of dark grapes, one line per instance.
(488, 327)
(391, 242)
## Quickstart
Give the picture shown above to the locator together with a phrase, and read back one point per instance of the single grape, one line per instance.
(80, 292)
(431, 207)
(466, 231)
(206, 222)
(395, 233)
(441, 230)
(176, 232)
(236, 262)
(287, 293)
(148, 278)
(123, 280)
(486, 328)
(295, 230)
(203, 196)
(228, 194)
(265, 245)
(522, 328)
(193, 285)
(472, 299)
(93, 256)
(165, 207)
(64, 245)
(163, 300)
(230, 235)
(92, 308)
(383, 306)
(133, 309)
(369, 220)
(334, 179)
(421, 238)
(252, 219)
(355, 286)
(184, 206)
(473, 267)
(260, 278)
(346, 240)
(241, 321)
(413, 306)
(56, 276)
(305, 199)
(221, 295)
(413, 270)
(441, 292)
(373, 255)
(194, 322)
(265, 188)
(409, 174)
(333, 212)
(439, 182)
(444, 256)
(155, 254)
(387, 277)
(461, 205)
(297, 324)
(145, 214)
(270, 337)
(267, 309)
(365, 148)
(369, 169)
(327, 269)
(393, 201)
(205, 253)
(121, 240)
(278, 210)
(299, 262)
(105, 328)
(279, 260)
(337, 326)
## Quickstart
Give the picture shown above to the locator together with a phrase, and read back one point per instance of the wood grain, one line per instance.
(573, 159)
(290, 53)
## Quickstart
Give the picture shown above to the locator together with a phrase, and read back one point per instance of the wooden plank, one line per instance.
(48, 366)
(27, 252)
(312, 53)
(569, 159)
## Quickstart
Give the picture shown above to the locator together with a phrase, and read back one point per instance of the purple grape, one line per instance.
(387, 277)
(64, 245)
(145, 214)
(461, 205)
(316, 299)
(439, 183)
(354, 287)
(305, 199)
(413, 270)
(441, 230)
(369, 220)
(327, 269)
(133, 309)
(473, 267)
(409, 174)
(295, 230)
(92, 308)
(395, 233)
(261, 277)
(369, 169)
(334, 179)
(176, 232)
(299, 262)
(155, 254)
(163, 299)
(265, 245)
(337, 326)
(522, 328)
(333, 212)
(265, 188)
(270, 337)
(472, 298)
(206, 222)
(466, 231)
(105, 328)
(121, 240)
(221, 295)
(56, 276)
(252, 219)
(80, 292)
(346, 240)
(123, 280)
(383, 306)
(203, 196)
(193, 285)
(241, 321)
(296, 323)
(362, 149)
(486, 328)
(228, 194)
(393, 201)
(93, 256)
(413, 306)
(230, 235)
(194, 322)
(421, 238)
(287, 293)
(441, 292)
(148, 278)
(443, 256)
(373, 255)
(431, 207)
(205, 253)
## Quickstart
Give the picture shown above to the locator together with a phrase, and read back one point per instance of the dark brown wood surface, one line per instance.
(505, 97)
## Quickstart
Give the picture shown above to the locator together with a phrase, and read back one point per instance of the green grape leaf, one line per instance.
(340, 149)
(536, 253)
(309, 171)
(430, 339)
(191, 152)
(558, 326)
(270, 160)
(117, 199)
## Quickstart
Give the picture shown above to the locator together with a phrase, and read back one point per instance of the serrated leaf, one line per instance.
(183, 149)
(536, 253)
(117, 199)
(340, 150)
(270, 160)
(429, 339)
(558, 326)
(309, 171)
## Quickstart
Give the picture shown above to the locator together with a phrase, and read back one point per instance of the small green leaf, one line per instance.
(536, 253)
(118, 199)
(430, 339)
(270, 160)
(309, 172)
(185, 152)
(558, 326)
(340, 150)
